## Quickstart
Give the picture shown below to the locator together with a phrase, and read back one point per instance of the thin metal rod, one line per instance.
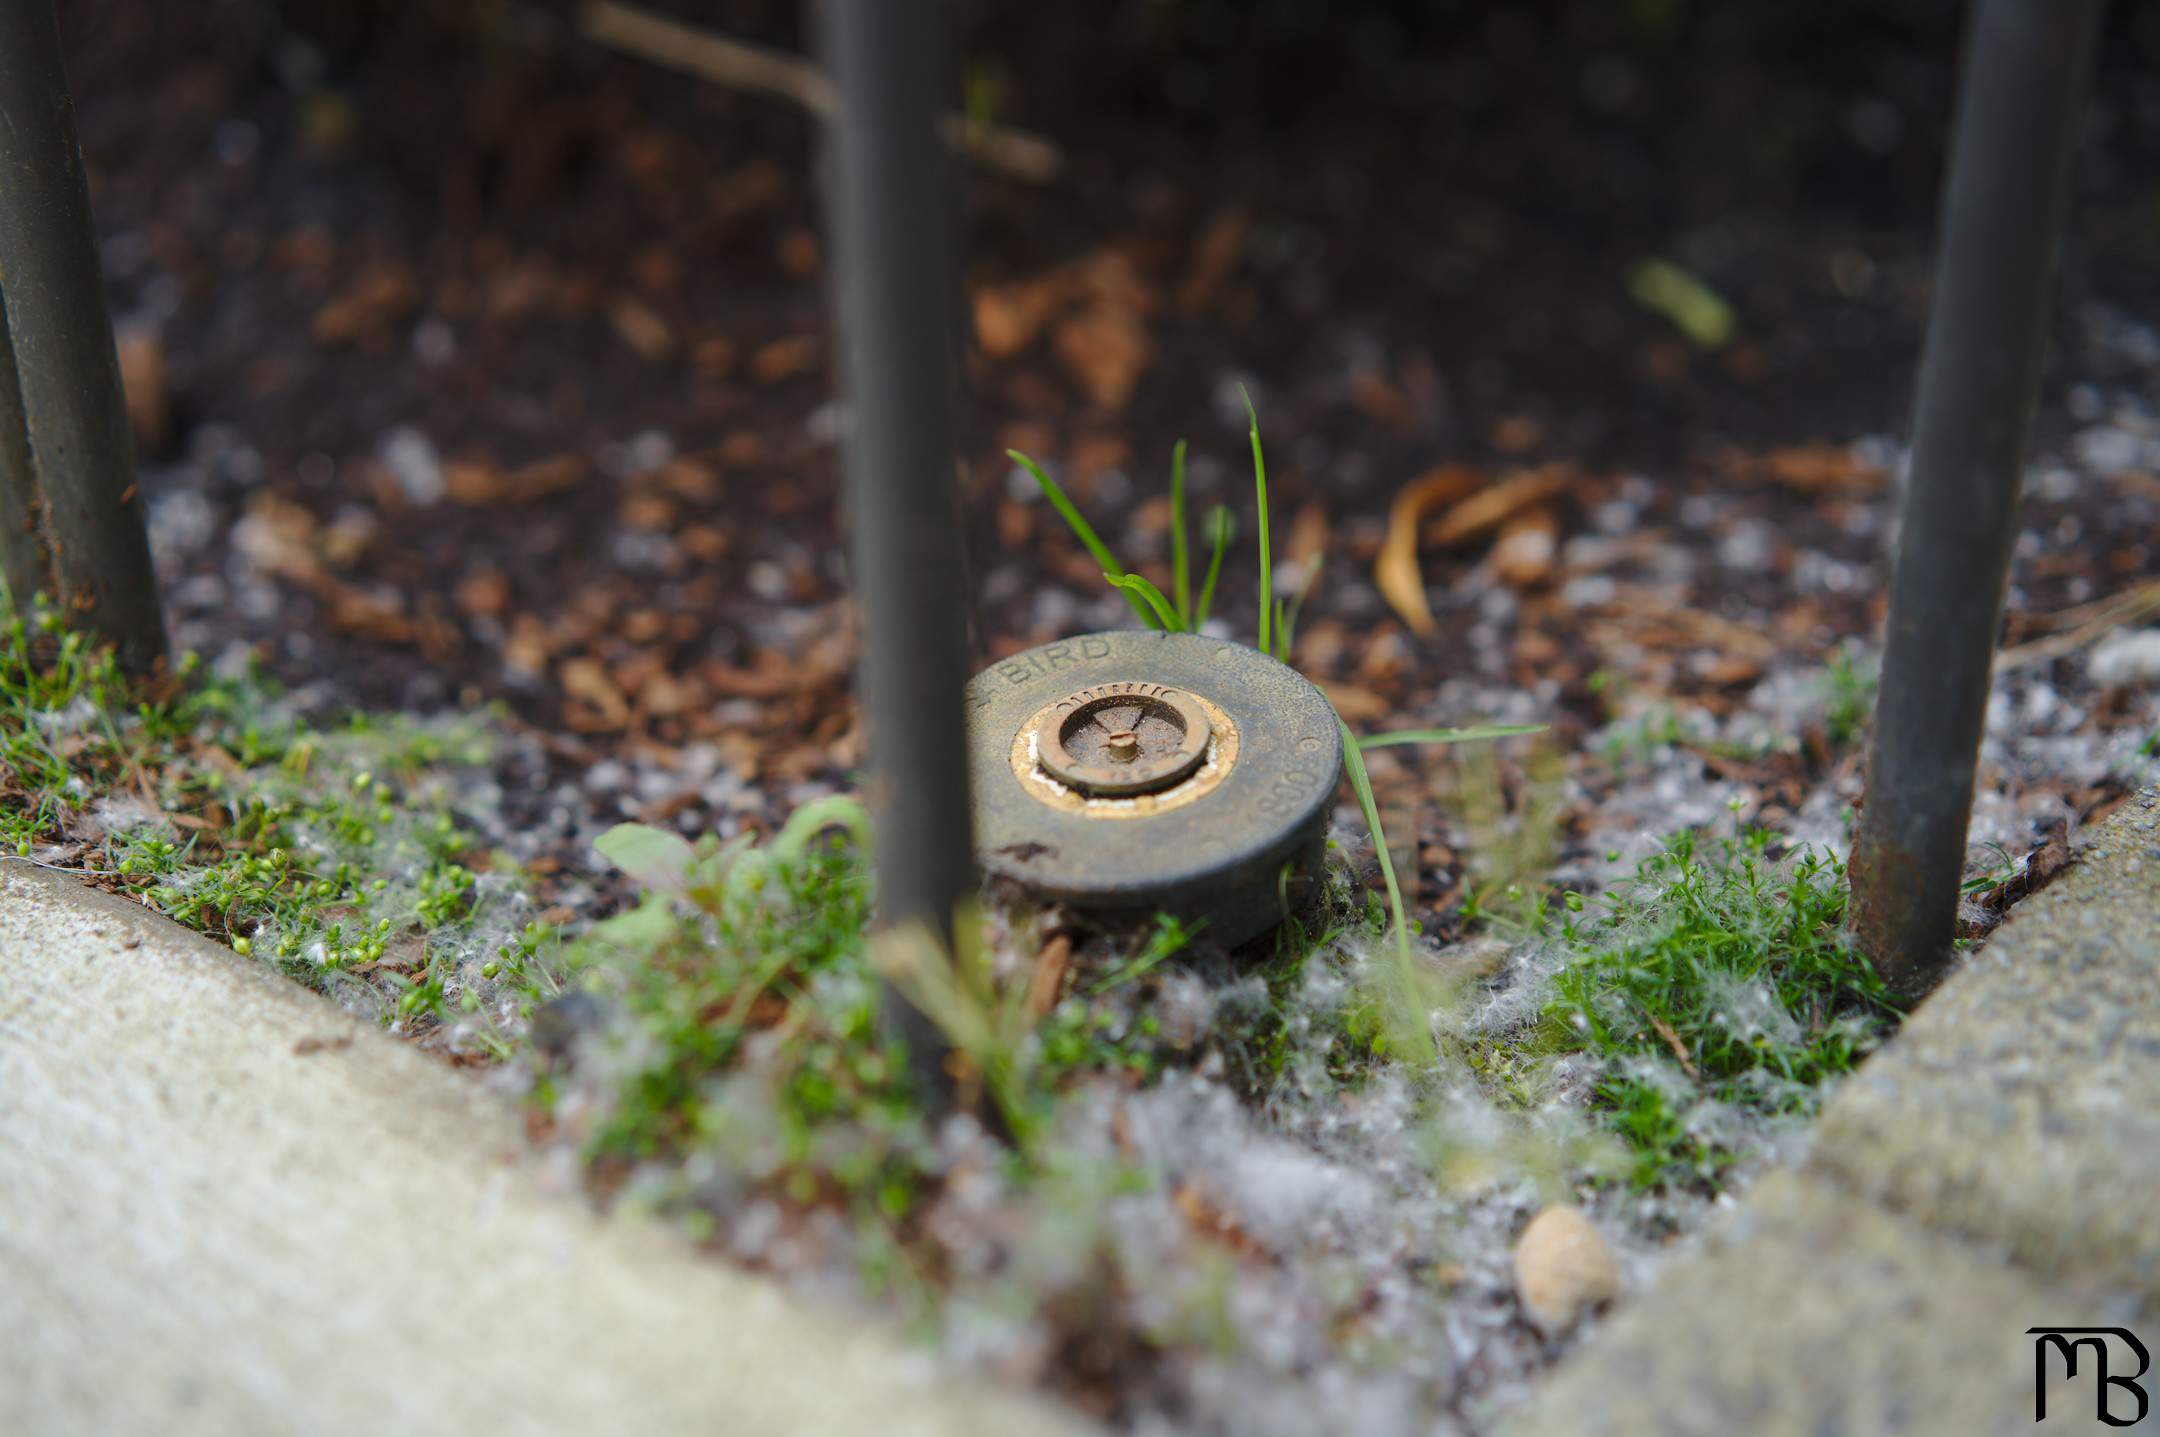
(893, 233)
(24, 564)
(2021, 101)
(67, 374)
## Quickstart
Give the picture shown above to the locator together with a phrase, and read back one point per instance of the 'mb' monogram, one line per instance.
(2068, 1340)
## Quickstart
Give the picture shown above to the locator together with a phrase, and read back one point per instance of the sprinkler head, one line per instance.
(1128, 773)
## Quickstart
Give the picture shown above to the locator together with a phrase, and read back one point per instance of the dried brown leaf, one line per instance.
(1105, 347)
(1664, 1030)
(1495, 504)
(1395, 572)
(1214, 257)
(1049, 977)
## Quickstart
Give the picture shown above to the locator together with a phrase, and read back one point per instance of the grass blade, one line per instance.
(1082, 530)
(1267, 559)
(1286, 625)
(1448, 735)
(1221, 525)
(1137, 584)
(1180, 560)
(1406, 964)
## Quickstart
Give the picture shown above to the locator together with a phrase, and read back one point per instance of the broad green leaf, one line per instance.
(652, 857)
(640, 929)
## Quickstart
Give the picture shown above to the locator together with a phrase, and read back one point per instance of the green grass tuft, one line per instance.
(331, 854)
(1716, 974)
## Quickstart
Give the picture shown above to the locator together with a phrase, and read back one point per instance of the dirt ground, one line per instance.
(475, 363)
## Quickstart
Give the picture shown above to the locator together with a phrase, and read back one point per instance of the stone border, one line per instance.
(228, 1207)
(1994, 1168)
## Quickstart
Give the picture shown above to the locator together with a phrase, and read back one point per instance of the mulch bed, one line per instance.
(475, 363)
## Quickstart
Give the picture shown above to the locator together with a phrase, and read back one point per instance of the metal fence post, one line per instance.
(893, 296)
(91, 551)
(2021, 101)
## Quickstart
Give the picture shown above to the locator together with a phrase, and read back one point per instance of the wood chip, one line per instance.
(1105, 348)
(1049, 978)
(143, 377)
(1010, 317)
(587, 680)
(784, 358)
(1221, 245)
(1355, 704)
(640, 326)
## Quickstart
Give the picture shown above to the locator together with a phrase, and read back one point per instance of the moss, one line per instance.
(333, 854)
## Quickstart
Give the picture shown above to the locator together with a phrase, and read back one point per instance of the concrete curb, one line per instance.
(227, 1207)
(1992, 1169)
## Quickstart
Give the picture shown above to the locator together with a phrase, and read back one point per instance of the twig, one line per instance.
(2093, 622)
(765, 71)
(1672, 1040)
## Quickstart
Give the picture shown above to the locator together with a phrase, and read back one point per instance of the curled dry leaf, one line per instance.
(1395, 572)
(1495, 504)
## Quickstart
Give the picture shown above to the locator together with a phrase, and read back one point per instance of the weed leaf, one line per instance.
(1448, 735)
(652, 857)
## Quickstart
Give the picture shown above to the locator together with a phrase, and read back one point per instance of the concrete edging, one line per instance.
(228, 1207)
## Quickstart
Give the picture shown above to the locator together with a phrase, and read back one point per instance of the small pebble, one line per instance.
(1563, 1268)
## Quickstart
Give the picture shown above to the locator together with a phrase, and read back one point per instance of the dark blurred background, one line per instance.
(503, 355)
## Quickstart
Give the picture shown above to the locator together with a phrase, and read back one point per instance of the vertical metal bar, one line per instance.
(24, 564)
(67, 372)
(2021, 101)
(894, 295)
